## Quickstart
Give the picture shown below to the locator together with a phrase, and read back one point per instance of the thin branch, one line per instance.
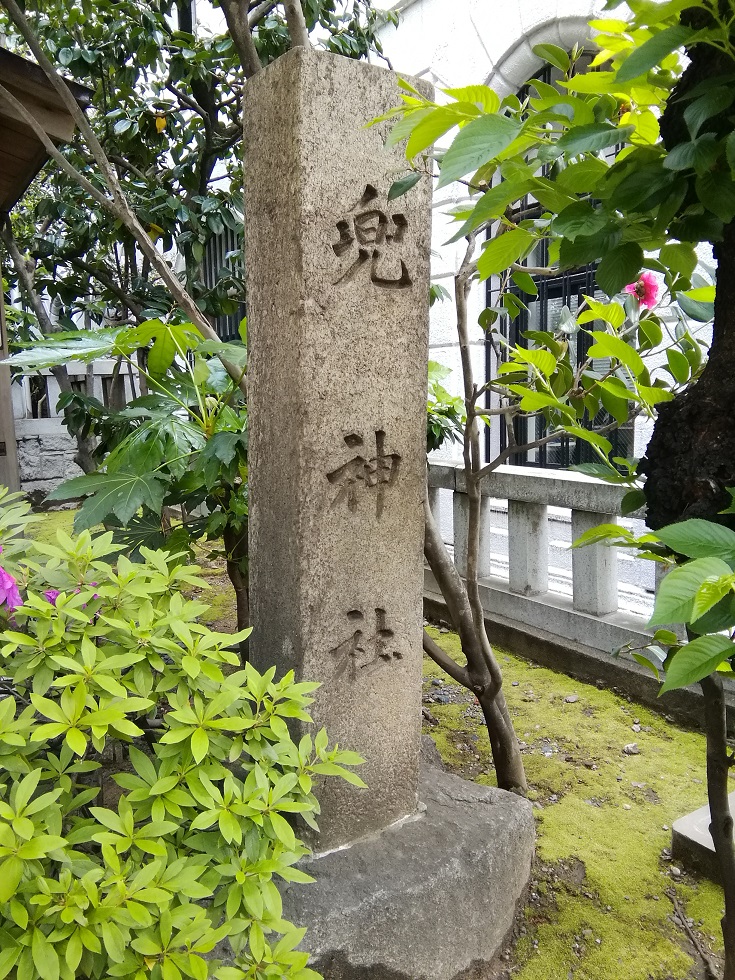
(126, 165)
(110, 284)
(535, 270)
(25, 277)
(443, 660)
(260, 12)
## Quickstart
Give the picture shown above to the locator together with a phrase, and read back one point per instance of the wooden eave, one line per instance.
(21, 153)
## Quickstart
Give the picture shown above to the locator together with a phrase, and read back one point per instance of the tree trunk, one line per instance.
(690, 460)
(478, 677)
(236, 547)
(721, 823)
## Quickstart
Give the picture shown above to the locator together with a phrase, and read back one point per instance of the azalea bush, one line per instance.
(148, 786)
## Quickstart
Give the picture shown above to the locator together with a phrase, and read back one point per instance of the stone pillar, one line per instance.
(338, 287)
(461, 520)
(528, 548)
(594, 568)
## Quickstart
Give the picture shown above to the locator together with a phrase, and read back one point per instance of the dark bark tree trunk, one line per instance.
(690, 460)
(721, 823)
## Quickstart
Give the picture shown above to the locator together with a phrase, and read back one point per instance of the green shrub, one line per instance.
(148, 784)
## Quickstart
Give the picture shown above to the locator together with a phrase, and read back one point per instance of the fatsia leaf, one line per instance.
(120, 494)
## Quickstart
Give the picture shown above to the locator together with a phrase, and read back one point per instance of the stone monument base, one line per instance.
(432, 897)
(692, 845)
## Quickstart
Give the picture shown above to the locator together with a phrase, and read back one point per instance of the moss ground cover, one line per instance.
(604, 897)
(604, 893)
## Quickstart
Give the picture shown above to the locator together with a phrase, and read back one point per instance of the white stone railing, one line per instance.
(590, 616)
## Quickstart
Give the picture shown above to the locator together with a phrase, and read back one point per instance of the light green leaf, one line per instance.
(552, 53)
(696, 660)
(502, 251)
(593, 138)
(653, 51)
(479, 142)
(696, 538)
(606, 345)
(675, 596)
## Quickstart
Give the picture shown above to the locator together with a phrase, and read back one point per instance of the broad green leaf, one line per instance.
(698, 659)
(710, 104)
(594, 438)
(477, 143)
(579, 219)
(612, 313)
(678, 365)
(493, 204)
(118, 494)
(695, 309)
(633, 500)
(679, 257)
(675, 596)
(608, 346)
(429, 129)
(478, 94)
(404, 184)
(45, 958)
(653, 51)
(593, 138)
(552, 53)
(11, 871)
(619, 267)
(525, 283)
(503, 250)
(696, 538)
(544, 360)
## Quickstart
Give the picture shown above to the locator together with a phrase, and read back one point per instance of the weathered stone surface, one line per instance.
(691, 841)
(338, 281)
(427, 899)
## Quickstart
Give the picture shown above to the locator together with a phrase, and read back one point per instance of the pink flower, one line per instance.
(9, 593)
(645, 290)
(51, 595)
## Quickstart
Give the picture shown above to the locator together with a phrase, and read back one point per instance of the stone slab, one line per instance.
(431, 898)
(691, 841)
(338, 286)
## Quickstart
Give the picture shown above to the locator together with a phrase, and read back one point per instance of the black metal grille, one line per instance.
(566, 289)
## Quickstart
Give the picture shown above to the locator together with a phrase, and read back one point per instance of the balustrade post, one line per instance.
(594, 568)
(461, 513)
(528, 548)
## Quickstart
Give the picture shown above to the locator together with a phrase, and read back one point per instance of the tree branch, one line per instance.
(443, 660)
(260, 12)
(25, 277)
(296, 24)
(236, 16)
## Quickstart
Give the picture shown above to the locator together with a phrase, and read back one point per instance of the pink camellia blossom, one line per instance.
(51, 595)
(9, 594)
(645, 290)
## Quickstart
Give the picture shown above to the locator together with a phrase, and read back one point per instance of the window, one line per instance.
(223, 273)
(544, 310)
